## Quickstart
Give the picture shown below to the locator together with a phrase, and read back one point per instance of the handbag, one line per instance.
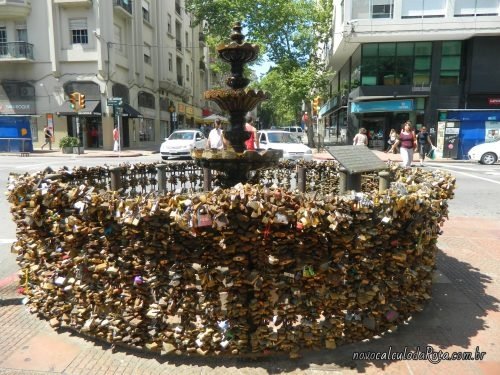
(431, 154)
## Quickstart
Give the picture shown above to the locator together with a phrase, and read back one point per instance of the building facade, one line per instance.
(396, 60)
(145, 52)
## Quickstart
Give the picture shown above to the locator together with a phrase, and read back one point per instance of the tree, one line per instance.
(289, 33)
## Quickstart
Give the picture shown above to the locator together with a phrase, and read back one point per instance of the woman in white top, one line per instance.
(361, 138)
(215, 140)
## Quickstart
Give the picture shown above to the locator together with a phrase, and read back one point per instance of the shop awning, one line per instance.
(131, 112)
(92, 108)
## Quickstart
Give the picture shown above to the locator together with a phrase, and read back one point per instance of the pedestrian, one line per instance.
(116, 139)
(94, 135)
(424, 144)
(47, 133)
(407, 144)
(392, 141)
(253, 142)
(361, 138)
(215, 140)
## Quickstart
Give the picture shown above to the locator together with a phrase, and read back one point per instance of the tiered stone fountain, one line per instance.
(235, 162)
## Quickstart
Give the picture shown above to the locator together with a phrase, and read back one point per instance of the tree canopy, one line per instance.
(289, 33)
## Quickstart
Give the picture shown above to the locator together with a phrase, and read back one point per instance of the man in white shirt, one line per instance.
(215, 137)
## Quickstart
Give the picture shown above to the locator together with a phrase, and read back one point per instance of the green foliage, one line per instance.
(68, 141)
(288, 32)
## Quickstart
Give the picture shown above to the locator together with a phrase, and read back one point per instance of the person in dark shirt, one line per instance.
(47, 133)
(424, 144)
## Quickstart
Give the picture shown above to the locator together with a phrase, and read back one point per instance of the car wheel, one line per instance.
(488, 158)
(164, 157)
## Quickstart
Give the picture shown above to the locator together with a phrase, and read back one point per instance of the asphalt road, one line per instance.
(477, 192)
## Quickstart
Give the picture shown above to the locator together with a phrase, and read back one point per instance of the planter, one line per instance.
(78, 150)
(67, 150)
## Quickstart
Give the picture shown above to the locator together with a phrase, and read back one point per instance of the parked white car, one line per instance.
(298, 131)
(181, 143)
(291, 146)
(485, 153)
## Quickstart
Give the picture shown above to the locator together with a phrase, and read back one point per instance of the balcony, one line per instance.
(16, 51)
(178, 44)
(202, 38)
(203, 66)
(74, 3)
(180, 80)
(124, 7)
(178, 8)
(12, 9)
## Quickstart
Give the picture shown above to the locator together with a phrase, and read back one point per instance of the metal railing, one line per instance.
(16, 50)
(125, 4)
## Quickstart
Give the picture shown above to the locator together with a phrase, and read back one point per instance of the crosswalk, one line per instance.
(477, 171)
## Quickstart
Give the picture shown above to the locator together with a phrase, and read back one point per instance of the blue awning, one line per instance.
(383, 106)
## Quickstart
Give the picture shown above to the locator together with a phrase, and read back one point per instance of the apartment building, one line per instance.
(396, 60)
(145, 52)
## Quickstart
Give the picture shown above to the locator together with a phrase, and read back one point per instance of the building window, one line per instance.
(169, 24)
(145, 10)
(147, 53)
(22, 32)
(3, 40)
(147, 130)
(79, 32)
(146, 100)
(451, 56)
(467, 8)
(382, 9)
(423, 8)
(118, 39)
(187, 41)
(389, 64)
(188, 73)
(170, 62)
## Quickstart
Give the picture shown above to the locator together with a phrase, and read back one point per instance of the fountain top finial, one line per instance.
(236, 35)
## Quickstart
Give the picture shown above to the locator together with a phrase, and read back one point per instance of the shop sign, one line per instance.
(19, 108)
(181, 108)
(494, 101)
(383, 106)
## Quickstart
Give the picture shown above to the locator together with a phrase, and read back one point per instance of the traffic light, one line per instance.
(315, 108)
(81, 101)
(74, 101)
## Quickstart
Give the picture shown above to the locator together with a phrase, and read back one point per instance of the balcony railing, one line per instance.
(177, 8)
(125, 4)
(16, 50)
(180, 80)
(202, 65)
(202, 38)
(178, 44)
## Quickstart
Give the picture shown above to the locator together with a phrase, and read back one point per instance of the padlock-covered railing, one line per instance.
(135, 179)
(250, 269)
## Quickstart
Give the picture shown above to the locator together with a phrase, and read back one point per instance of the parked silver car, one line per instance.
(181, 143)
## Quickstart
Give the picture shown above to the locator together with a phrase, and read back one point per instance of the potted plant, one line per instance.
(67, 143)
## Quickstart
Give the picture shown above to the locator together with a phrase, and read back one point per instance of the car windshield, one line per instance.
(188, 136)
(282, 138)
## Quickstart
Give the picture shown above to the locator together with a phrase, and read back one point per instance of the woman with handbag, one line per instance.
(423, 142)
(407, 144)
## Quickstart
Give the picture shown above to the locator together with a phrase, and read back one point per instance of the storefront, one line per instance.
(461, 129)
(379, 117)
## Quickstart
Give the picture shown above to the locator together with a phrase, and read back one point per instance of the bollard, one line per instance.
(116, 178)
(207, 179)
(384, 181)
(161, 176)
(301, 179)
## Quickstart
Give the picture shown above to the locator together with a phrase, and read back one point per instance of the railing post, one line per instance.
(384, 181)
(301, 179)
(162, 177)
(342, 180)
(207, 179)
(116, 180)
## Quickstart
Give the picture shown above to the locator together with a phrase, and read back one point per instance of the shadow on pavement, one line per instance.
(452, 317)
